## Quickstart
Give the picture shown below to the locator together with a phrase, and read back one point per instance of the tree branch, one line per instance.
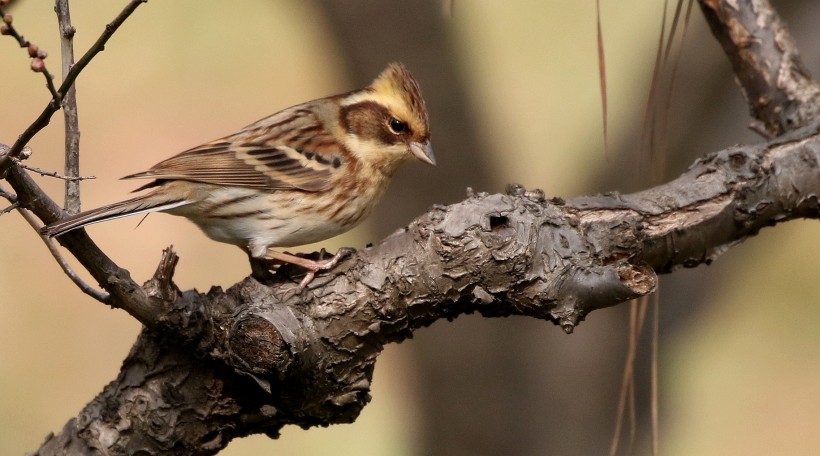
(781, 94)
(307, 359)
(72, 123)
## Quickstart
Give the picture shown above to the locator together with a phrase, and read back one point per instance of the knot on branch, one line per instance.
(295, 343)
(257, 345)
(589, 289)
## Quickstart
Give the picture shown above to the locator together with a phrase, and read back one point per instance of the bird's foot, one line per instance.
(312, 266)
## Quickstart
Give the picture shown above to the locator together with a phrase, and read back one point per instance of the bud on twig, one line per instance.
(37, 65)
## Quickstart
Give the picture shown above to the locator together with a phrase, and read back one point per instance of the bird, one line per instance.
(299, 176)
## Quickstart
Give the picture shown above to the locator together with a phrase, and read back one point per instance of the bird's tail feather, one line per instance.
(139, 205)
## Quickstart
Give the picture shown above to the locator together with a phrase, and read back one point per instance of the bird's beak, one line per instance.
(423, 152)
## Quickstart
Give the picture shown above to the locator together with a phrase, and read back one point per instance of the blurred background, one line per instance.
(512, 89)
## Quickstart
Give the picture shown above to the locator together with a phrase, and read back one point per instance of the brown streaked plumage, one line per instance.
(299, 176)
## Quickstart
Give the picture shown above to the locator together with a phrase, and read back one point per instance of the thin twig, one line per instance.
(11, 197)
(38, 64)
(13, 206)
(67, 269)
(8, 195)
(54, 105)
(99, 45)
(52, 247)
(49, 81)
(9, 30)
(43, 172)
(125, 293)
(72, 123)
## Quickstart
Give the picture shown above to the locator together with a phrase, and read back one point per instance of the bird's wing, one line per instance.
(288, 150)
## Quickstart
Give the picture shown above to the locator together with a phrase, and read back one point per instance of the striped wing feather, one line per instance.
(288, 150)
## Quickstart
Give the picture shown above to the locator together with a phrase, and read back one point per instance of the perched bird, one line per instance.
(302, 175)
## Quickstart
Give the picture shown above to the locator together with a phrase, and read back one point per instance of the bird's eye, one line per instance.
(397, 126)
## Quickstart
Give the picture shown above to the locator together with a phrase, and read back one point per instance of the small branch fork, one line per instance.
(54, 174)
(30, 196)
(57, 96)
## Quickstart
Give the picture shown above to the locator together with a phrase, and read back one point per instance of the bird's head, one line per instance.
(387, 122)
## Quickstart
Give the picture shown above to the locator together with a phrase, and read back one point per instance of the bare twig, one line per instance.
(72, 123)
(11, 197)
(9, 208)
(125, 293)
(52, 247)
(54, 105)
(67, 269)
(39, 66)
(43, 172)
(99, 45)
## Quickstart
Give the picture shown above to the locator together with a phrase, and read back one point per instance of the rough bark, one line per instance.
(781, 94)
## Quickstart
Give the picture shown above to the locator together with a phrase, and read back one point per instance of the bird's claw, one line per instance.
(324, 265)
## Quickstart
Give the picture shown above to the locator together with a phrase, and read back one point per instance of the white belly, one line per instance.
(256, 221)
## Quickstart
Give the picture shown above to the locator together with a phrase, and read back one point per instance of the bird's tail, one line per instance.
(152, 202)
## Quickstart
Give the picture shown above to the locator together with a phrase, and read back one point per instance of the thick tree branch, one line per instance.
(310, 356)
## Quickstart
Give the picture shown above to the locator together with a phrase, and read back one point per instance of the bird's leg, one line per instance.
(261, 270)
(312, 266)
